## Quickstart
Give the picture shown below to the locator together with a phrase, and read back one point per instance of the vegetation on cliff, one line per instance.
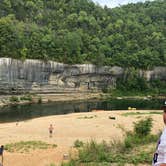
(79, 31)
(132, 83)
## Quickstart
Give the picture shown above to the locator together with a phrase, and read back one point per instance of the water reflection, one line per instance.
(25, 112)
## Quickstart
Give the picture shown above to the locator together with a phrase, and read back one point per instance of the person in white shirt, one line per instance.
(159, 158)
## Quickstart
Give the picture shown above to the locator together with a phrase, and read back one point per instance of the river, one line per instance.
(29, 111)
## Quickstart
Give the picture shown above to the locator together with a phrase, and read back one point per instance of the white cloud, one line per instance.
(114, 3)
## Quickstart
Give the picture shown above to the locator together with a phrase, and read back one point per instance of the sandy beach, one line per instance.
(94, 125)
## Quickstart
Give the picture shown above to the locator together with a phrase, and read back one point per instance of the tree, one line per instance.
(80, 31)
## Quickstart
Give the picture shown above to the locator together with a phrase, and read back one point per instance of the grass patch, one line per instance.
(104, 154)
(141, 113)
(26, 146)
(133, 140)
(137, 148)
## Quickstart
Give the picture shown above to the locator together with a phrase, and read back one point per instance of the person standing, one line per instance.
(1, 154)
(159, 158)
(50, 130)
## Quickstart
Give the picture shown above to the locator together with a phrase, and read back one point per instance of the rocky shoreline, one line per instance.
(45, 98)
(54, 97)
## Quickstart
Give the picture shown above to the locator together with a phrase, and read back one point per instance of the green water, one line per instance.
(30, 111)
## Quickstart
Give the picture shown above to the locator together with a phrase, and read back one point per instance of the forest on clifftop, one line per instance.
(80, 31)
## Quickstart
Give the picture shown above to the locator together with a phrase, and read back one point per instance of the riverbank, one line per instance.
(53, 97)
(45, 98)
(96, 125)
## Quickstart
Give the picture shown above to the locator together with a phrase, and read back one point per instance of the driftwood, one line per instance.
(112, 117)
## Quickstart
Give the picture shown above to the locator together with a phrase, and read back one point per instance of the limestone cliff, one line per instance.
(51, 77)
(36, 76)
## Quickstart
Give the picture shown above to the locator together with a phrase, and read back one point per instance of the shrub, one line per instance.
(143, 127)
(130, 151)
(40, 100)
(128, 142)
(94, 152)
(105, 90)
(26, 97)
(78, 143)
(14, 99)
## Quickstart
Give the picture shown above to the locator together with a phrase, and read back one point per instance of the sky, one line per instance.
(114, 3)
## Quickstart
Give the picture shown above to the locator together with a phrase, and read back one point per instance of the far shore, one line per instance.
(95, 125)
(79, 96)
(52, 97)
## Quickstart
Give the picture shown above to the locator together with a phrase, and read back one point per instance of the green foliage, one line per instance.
(14, 99)
(79, 31)
(158, 86)
(26, 97)
(88, 153)
(52, 164)
(143, 127)
(27, 146)
(105, 90)
(134, 84)
(40, 100)
(141, 113)
(132, 81)
(134, 140)
(71, 163)
(134, 150)
(78, 144)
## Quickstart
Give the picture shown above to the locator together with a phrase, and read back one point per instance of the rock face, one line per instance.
(18, 76)
(36, 76)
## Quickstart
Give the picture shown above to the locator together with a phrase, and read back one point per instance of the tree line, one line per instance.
(80, 31)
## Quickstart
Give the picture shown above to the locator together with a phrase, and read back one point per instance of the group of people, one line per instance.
(50, 129)
(159, 158)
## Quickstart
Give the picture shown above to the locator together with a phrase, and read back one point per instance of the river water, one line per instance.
(30, 111)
